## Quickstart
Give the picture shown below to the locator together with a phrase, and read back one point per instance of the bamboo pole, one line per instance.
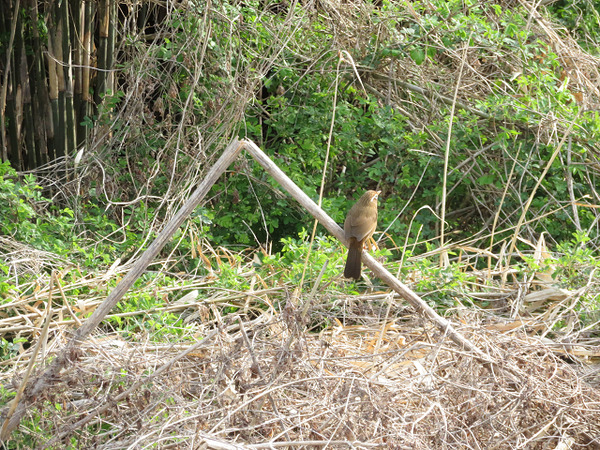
(9, 54)
(13, 104)
(86, 49)
(30, 162)
(110, 50)
(67, 73)
(77, 14)
(104, 20)
(59, 125)
(39, 94)
(53, 87)
(19, 89)
(38, 386)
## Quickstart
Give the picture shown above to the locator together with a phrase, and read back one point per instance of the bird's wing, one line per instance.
(362, 226)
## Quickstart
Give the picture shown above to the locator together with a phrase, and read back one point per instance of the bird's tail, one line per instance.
(352, 269)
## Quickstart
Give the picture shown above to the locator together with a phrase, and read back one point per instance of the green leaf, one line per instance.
(486, 179)
(418, 55)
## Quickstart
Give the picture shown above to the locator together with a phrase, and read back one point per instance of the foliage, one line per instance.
(577, 263)
(581, 17)
(518, 112)
(287, 266)
(373, 144)
(384, 136)
(27, 216)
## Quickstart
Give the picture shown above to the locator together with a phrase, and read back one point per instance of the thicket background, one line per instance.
(96, 161)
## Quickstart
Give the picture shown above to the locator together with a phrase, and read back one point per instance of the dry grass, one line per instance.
(333, 389)
(259, 379)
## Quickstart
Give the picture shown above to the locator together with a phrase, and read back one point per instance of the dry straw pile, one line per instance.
(259, 379)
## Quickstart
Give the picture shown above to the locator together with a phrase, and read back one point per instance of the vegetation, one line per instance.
(479, 114)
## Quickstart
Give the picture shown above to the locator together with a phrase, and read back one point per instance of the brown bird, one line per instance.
(360, 224)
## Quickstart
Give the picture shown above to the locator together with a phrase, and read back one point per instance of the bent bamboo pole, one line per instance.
(69, 353)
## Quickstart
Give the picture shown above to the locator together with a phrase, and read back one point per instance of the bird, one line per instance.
(359, 225)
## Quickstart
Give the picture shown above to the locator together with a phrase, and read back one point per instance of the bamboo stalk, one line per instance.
(69, 119)
(13, 110)
(104, 19)
(10, 108)
(39, 94)
(26, 82)
(28, 129)
(87, 51)
(59, 125)
(77, 14)
(52, 86)
(18, 91)
(3, 93)
(110, 50)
